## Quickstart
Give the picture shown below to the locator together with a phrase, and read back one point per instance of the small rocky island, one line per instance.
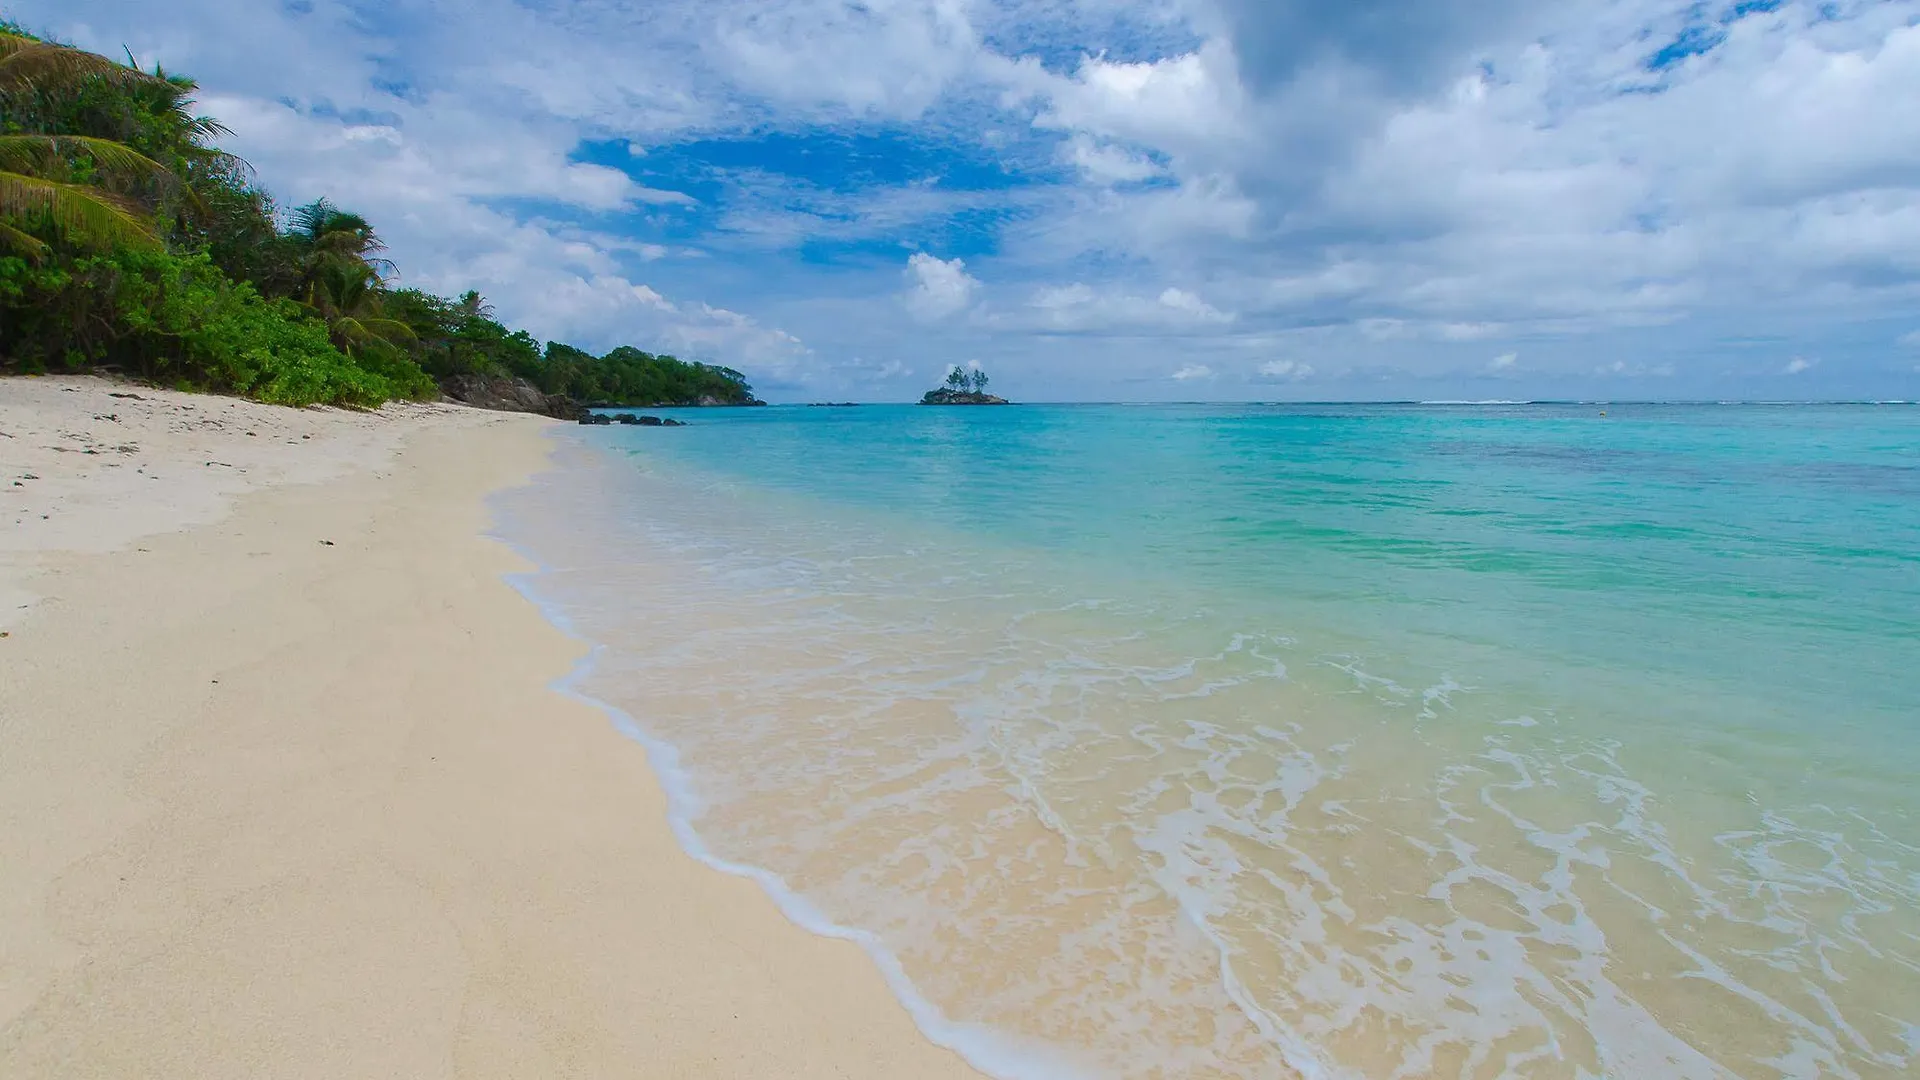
(963, 388)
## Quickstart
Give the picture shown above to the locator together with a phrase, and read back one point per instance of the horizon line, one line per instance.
(1430, 402)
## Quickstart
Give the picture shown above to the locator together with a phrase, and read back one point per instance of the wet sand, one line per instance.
(284, 790)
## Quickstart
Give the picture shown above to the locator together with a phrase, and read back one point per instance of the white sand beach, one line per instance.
(284, 791)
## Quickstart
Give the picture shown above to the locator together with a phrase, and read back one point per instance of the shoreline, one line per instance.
(993, 1053)
(290, 791)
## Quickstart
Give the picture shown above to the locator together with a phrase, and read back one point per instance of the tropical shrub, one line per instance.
(177, 319)
(129, 240)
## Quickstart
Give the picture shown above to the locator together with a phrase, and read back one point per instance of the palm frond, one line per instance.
(207, 129)
(26, 64)
(23, 244)
(237, 165)
(311, 219)
(344, 331)
(26, 153)
(86, 215)
(388, 329)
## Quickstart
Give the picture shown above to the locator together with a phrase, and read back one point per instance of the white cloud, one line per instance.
(1193, 371)
(938, 287)
(1081, 308)
(1293, 370)
(1180, 103)
(1503, 362)
(1911, 339)
(1062, 297)
(1187, 305)
(1468, 331)
(891, 58)
(1532, 190)
(1457, 173)
(1107, 163)
(1798, 365)
(647, 296)
(1629, 370)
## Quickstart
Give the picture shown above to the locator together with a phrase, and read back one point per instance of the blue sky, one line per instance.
(1117, 199)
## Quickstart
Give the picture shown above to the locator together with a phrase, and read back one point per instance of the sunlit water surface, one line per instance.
(1251, 741)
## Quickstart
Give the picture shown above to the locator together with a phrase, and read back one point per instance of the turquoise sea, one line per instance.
(1275, 741)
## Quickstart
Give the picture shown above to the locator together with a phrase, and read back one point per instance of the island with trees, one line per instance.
(130, 242)
(963, 387)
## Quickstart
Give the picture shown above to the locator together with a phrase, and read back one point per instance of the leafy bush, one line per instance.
(178, 319)
(138, 244)
(461, 337)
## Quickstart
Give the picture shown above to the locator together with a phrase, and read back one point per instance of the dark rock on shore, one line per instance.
(510, 395)
(629, 420)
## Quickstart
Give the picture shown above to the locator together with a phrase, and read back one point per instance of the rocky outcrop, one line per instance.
(509, 395)
(945, 396)
(627, 418)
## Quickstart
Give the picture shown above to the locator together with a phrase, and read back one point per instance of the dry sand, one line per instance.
(283, 792)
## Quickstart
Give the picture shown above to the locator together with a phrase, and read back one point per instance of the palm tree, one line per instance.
(337, 245)
(333, 235)
(474, 306)
(39, 173)
(347, 296)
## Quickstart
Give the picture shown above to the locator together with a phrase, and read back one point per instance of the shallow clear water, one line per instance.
(1184, 741)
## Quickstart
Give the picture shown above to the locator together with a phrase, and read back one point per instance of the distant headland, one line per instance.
(963, 387)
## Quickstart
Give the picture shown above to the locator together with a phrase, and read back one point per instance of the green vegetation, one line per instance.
(627, 376)
(963, 387)
(129, 241)
(964, 382)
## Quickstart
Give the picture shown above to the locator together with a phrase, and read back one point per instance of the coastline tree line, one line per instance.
(129, 241)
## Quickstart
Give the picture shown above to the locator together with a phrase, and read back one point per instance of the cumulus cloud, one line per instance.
(1798, 365)
(1402, 180)
(1911, 338)
(1625, 369)
(1503, 362)
(1187, 305)
(892, 59)
(1190, 372)
(1079, 307)
(1291, 370)
(1551, 180)
(1107, 164)
(1400, 45)
(938, 288)
(1467, 331)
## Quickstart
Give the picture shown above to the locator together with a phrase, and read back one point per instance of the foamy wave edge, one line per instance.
(986, 1049)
